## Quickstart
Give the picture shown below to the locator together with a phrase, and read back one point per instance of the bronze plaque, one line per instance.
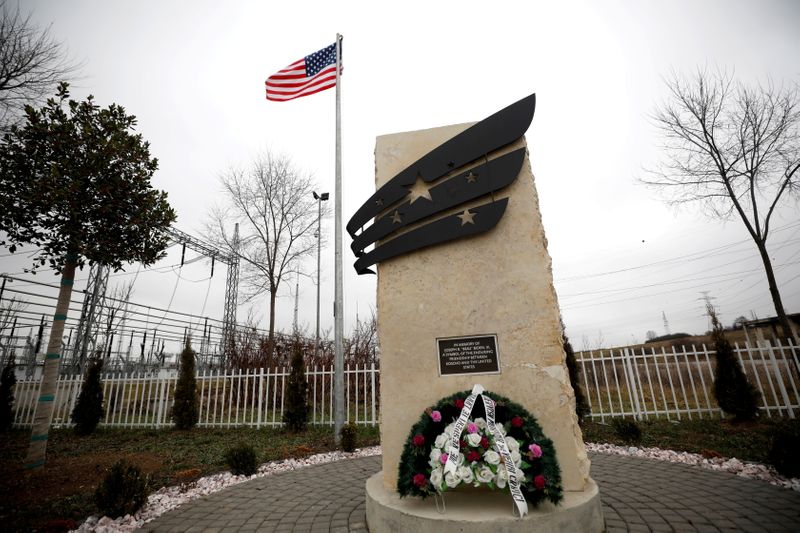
(468, 355)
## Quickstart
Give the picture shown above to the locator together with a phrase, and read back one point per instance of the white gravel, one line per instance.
(168, 498)
(723, 464)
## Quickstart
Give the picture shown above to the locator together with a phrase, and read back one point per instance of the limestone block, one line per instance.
(499, 283)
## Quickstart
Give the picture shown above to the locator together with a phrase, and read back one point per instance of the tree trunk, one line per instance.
(271, 338)
(47, 395)
(776, 295)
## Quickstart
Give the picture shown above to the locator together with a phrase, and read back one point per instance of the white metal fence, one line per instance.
(679, 384)
(227, 398)
(643, 384)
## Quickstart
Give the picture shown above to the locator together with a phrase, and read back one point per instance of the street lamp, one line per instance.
(319, 198)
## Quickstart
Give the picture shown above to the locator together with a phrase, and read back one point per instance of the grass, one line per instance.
(750, 441)
(77, 464)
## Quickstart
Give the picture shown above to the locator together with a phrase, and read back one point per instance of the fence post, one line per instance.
(779, 379)
(160, 389)
(633, 388)
(372, 367)
(260, 395)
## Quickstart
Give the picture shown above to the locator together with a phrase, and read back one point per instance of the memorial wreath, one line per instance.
(480, 439)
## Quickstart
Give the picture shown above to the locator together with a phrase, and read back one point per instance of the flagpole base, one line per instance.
(478, 512)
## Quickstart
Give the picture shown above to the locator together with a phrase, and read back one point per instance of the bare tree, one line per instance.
(32, 62)
(272, 200)
(115, 313)
(361, 347)
(734, 149)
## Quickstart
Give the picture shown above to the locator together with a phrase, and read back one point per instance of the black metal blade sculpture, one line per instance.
(474, 183)
(485, 176)
(471, 221)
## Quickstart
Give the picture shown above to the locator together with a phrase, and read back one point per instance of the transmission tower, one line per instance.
(231, 286)
(231, 291)
(89, 323)
(666, 323)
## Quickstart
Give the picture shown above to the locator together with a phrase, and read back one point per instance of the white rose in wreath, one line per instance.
(512, 444)
(436, 478)
(484, 474)
(435, 455)
(474, 439)
(491, 457)
(481, 423)
(517, 458)
(465, 473)
(440, 441)
(500, 480)
(452, 480)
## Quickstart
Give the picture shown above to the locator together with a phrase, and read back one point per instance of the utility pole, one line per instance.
(296, 303)
(319, 198)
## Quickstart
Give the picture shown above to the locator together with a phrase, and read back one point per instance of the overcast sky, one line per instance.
(193, 73)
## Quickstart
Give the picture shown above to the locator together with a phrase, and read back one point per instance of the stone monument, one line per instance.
(461, 310)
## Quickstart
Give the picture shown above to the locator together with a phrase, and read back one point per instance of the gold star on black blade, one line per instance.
(471, 177)
(467, 217)
(396, 217)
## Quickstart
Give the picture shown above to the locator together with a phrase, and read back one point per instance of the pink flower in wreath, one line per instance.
(538, 482)
(418, 440)
(472, 428)
(443, 458)
(421, 481)
(535, 450)
(436, 416)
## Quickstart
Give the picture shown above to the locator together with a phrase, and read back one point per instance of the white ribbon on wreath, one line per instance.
(453, 449)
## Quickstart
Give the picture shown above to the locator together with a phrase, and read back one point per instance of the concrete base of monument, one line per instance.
(468, 512)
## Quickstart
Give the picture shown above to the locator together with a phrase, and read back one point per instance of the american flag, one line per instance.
(312, 74)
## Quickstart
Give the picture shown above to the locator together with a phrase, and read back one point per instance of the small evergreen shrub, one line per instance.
(7, 382)
(185, 410)
(627, 430)
(783, 454)
(89, 408)
(242, 460)
(581, 405)
(123, 490)
(295, 417)
(349, 434)
(735, 395)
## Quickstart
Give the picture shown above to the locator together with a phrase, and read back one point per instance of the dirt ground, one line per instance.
(52, 499)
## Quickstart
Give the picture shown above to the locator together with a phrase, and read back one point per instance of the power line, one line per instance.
(695, 255)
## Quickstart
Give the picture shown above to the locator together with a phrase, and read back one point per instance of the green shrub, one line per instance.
(735, 395)
(627, 430)
(242, 460)
(89, 408)
(783, 454)
(295, 417)
(7, 382)
(581, 405)
(185, 411)
(349, 435)
(123, 491)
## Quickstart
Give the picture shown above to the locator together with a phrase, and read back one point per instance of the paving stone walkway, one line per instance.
(637, 495)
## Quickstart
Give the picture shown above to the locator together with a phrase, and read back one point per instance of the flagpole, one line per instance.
(338, 305)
